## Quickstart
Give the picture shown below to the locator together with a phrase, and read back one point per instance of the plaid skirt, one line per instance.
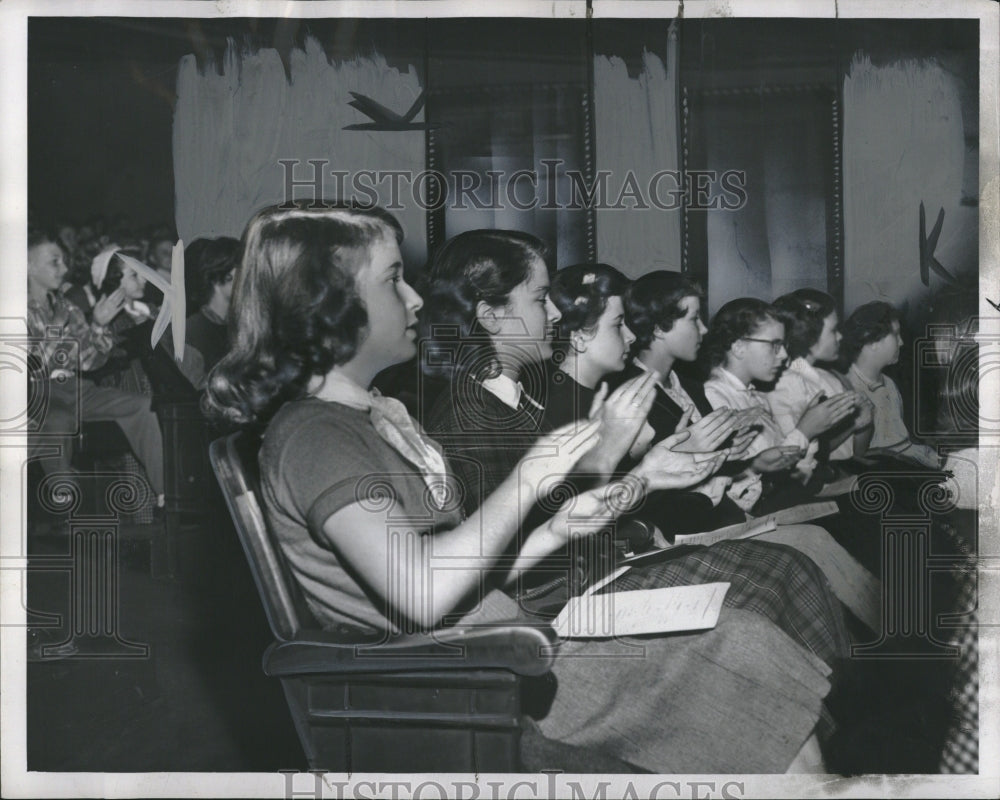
(773, 580)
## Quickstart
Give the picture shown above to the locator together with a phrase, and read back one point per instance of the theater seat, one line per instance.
(446, 702)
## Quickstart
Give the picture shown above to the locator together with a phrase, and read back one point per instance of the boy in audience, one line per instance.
(59, 324)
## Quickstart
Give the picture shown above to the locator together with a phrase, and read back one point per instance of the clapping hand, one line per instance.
(824, 413)
(708, 433)
(554, 455)
(866, 412)
(108, 306)
(666, 467)
(622, 416)
(775, 459)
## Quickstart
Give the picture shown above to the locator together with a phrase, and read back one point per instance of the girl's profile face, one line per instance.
(526, 321)
(759, 356)
(133, 284)
(684, 337)
(161, 255)
(606, 350)
(888, 347)
(391, 304)
(827, 346)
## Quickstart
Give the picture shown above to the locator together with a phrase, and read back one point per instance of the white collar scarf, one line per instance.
(393, 423)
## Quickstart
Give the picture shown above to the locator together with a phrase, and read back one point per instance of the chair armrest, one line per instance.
(518, 648)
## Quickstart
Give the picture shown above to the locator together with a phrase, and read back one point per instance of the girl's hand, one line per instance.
(622, 416)
(821, 415)
(108, 306)
(666, 467)
(554, 455)
(866, 413)
(601, 504)
(708, 433)
(775, 459)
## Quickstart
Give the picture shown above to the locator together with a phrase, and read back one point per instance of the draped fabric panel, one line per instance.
(231, 130)
(636, 132)
(903, 143)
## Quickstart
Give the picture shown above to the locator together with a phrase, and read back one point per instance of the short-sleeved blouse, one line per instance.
(318, 457)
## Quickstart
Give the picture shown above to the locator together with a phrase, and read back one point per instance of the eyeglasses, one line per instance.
(777, 345)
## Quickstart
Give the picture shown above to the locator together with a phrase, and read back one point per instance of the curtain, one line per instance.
(233, 128)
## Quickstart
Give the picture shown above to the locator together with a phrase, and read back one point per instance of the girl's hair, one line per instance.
(654, 301)
(159, 234)
(581, 293)
(735, 320)
(869, 323)
(207, 262)
(803, 312)
(472, 267)
(113, 277)
(295, 311)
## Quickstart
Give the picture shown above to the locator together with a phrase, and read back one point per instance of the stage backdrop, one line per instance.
(636, 133)
(233, 127)
(904, 142)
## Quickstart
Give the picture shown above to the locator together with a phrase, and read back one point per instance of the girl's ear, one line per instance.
(578, 342)
(738, 348)
(486, 316)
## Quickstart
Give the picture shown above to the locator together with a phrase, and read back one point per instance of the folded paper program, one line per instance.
(664, 610)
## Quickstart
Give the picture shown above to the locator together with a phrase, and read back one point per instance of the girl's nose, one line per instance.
(552, 314)
(414, 301)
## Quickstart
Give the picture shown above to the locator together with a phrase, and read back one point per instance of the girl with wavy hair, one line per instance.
(320, 307)
(812, 337)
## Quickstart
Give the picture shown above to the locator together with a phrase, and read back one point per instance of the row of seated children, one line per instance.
(321, 308)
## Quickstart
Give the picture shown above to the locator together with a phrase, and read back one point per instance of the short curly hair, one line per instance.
(296, 312)
(803, 312)
(654, 301)
(207, 262)
(867, 324)
(581, 293)
(734, 321)
(472, 267)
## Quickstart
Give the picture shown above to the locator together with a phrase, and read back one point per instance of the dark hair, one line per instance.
(158, 234)
(207, 262)
(735, 320)
(113, 277)
(803, 312)
(654, 301)
(296, 312)
(869, 323)
(38, 236)
(581, 294)
(472, 267)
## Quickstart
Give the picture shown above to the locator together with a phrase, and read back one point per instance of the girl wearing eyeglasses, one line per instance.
(592, 346)
(744, 346)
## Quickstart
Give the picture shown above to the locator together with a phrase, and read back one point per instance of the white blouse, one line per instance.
(890, 432)
(796, 388)
(725, 389)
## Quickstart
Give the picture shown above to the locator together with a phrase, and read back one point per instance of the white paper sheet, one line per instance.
(675, 608)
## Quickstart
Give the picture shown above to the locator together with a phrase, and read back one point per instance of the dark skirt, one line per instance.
(772, 580)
